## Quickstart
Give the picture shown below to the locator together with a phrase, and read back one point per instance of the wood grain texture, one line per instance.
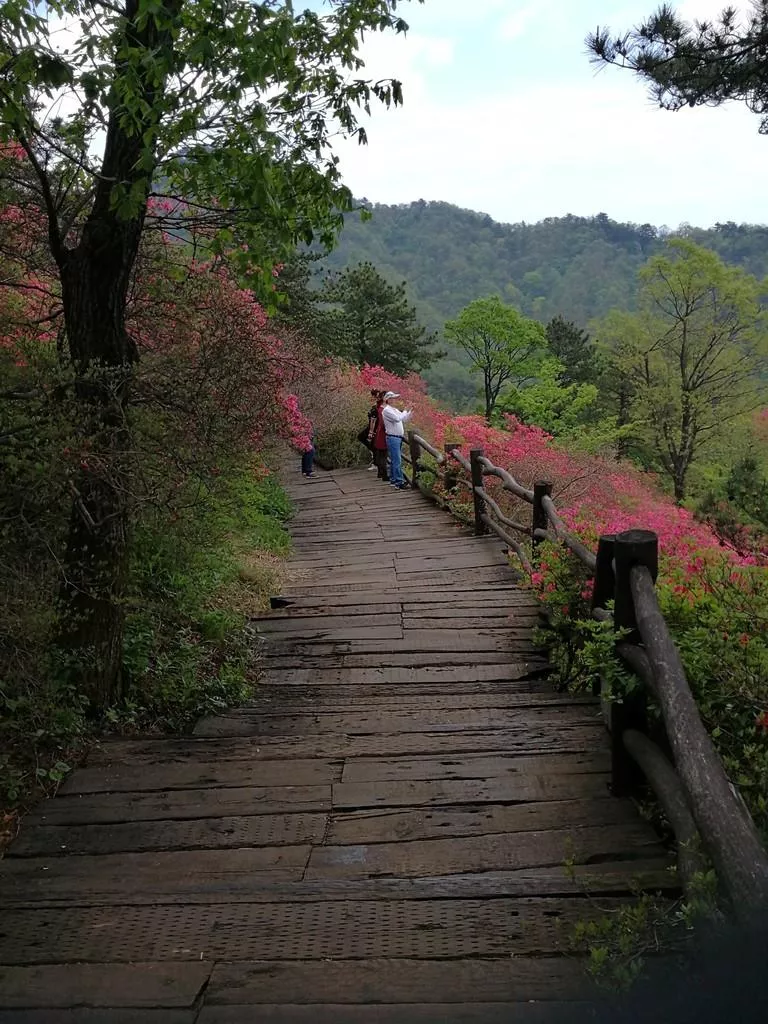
(399, 829)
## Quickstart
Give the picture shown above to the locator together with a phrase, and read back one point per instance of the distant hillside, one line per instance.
(579, 267)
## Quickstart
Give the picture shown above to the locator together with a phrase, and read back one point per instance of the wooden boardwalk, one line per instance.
(381, 837)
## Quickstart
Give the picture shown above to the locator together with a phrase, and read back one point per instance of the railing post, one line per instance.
(477, 481)
(604, 588)
(540, 521)
(634, 547)
(413, 445)
(604, 584)
(451, 477)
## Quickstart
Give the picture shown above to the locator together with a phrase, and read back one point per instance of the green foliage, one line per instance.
(690, 361)
(568, 411)
(371, 322)
(502, 344)
(707, 62)
(574, 349)
(718, 618)
(577, 267)
(233, 105)
(188, 649)
(338, 447)
(619, 942)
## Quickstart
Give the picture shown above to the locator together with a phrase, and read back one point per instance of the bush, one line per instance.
(188, 647)
(718, 618)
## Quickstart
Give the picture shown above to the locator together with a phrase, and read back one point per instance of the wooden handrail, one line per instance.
(699, 800)
(507, 480)
(504, 520)
(725, 824)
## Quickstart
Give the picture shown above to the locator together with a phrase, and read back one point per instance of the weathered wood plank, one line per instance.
(401, 675)
(508, 979)
(110, 985)
(333, 930)
(121, 875)
(612, 877)
(224, 832)
(432, 878)
(102, 1015)
(457, 855)
(474, 766)
(179, 804)
(528, 1012)
(135, 777)
(432, 793)
(440, 822)
(569, 738)
(363, 721)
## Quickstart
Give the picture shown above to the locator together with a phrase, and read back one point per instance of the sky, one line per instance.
(505, 114)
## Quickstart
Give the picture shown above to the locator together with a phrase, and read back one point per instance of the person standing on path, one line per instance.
(394, 419)
(378, 438)
(373, 414)
(308, 456)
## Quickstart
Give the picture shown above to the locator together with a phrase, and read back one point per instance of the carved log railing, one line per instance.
(703, 807)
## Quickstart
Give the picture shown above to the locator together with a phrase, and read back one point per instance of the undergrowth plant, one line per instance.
(188, 649)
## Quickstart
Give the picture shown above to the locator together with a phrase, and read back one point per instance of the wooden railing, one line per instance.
(682, 766)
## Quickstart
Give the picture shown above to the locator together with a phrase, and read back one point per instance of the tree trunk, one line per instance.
(95, 278)
(678, 479)
(489, 397)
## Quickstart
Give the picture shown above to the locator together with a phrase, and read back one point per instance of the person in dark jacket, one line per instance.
(378, 438)
(308, 457)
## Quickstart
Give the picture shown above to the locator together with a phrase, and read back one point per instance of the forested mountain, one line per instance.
(577, 266)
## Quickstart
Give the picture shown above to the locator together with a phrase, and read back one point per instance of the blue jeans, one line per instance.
(394, 446)
(307, 458)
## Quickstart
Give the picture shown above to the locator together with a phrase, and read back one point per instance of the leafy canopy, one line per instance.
(373, 322)
(503, 345)
(692, 356)
(226, 105)
(706, 62)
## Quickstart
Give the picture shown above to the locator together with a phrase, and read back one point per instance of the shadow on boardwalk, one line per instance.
(387, 824)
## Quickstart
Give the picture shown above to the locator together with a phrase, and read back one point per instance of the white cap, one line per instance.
(390, 394)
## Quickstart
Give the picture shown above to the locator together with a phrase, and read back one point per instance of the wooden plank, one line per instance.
(507, 979)
(529, 1012)
(473, 766)
(437, 641)
(460, 854)
(449, 561)
(379, 826)
(179, 804)
(390, 656)
(299, 624)
(381, 579)
(569, 738)
(110, 985)
(363, 721)
(122, 875)
(432, 793)
(331, 930)
(301, 610)
(122, 778)
(349, 631)
(613, 877)
(436, 675)
(225, 832)
(102, 1015)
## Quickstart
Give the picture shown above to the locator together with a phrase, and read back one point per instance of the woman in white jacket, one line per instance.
(393, 424)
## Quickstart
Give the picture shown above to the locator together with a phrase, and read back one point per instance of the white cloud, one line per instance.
(519, 21)
(542, 152)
